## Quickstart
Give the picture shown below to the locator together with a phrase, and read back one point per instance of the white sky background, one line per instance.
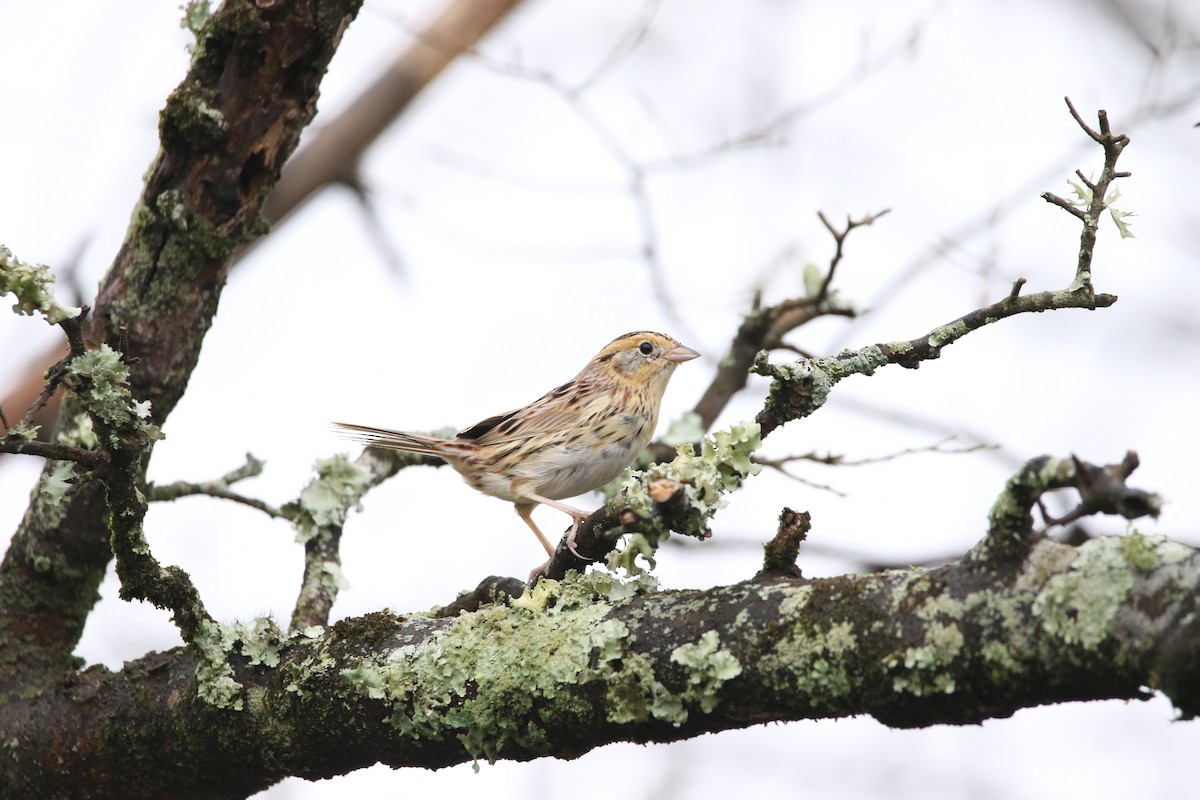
(520, 245)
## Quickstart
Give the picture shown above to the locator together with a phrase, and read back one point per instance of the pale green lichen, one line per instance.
(48, 498)
(795, 601)
(820, 374)
(998, 657)
(33, 284)
(924, 669)
(474, 679)
(537, 598)
(1080, 604)
(77, 431)
(910, 583)
(634, 694)
(23, 431)
(626, 558)
(724, 462)
(332, 576)
(1139, 551)
(708, 667)
(99, 378)
(490, 676)
(196, 14)
(338, 487)
(215, 684)
(259, 640)
(815, 659)
(814, 279)
(944, 335)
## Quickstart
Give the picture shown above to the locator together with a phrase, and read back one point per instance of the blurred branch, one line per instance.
(335, 151)
(334, 154)
(781, 464)
(764, 327)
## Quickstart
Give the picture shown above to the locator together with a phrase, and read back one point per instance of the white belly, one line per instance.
(565, 472)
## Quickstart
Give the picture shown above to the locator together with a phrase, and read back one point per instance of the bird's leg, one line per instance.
(537, 572)
(524, 510)
(577, 518)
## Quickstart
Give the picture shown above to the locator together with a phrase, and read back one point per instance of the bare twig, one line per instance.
(763, 328)
(799, 388)
(1112, 144)
(20, 441)
(839, 237)
(782, 463)
(217, 488)
(92, 459)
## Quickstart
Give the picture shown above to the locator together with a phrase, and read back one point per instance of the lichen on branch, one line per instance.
(33, 284)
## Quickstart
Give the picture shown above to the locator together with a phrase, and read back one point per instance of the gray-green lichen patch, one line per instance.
(723, 463)
(214, 676)
(338, 487)
(818, 375)
(944, 335)
(106, 375)
(924, 669)
(1078, 605)
(259, 640)
(99, 378)
(48, 499)
(495, 675)
(33, 284)
(626, 558)
(815, 659)
(332, 577)
(1140, 551)
(708, 667)
(77, 431)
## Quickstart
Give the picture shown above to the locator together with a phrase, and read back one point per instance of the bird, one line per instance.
(575, 438)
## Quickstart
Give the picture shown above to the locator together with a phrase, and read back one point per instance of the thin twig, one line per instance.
(217, 488)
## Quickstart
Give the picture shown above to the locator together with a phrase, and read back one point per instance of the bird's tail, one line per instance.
(392, 440)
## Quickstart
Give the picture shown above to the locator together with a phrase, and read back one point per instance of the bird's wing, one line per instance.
(557, 411)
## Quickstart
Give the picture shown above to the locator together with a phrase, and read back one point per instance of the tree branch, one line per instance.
(318, 515)
(335, 151)
(225, 133)
(253, 467)
(570, 666)
(764, 328)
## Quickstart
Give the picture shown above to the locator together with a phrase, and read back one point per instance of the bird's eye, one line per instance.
(646, 348)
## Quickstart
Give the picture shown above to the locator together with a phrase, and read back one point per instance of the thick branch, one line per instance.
(571, 667)
(225, 133)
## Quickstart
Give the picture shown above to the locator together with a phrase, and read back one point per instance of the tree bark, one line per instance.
(225, 133)
(582, 663)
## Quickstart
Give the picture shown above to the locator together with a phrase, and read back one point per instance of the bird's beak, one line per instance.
(679, 354)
